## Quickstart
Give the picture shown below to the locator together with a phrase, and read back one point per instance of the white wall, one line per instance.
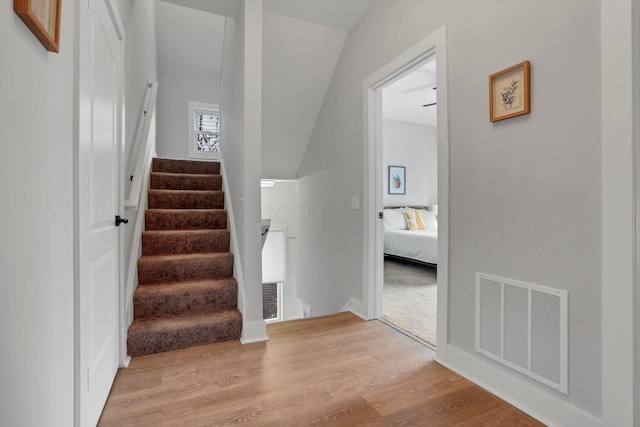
(240, 115)
(36, 231)
(525, 193)
(141, 63)
(279, 204)
(415, 147)
(175, 90)
(190, 50)
(298, 60)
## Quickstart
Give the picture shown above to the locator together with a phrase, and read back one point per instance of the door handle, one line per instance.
(120, 220)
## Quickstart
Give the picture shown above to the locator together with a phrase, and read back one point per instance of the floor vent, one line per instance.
(523, 326)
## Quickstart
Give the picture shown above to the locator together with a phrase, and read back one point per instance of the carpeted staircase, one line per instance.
(186, 294)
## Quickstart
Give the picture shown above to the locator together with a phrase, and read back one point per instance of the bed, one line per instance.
(411, 233)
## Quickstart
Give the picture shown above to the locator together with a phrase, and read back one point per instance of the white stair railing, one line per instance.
(142, 149)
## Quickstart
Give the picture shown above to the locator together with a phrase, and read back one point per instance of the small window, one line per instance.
(204, 130)
(207, 130)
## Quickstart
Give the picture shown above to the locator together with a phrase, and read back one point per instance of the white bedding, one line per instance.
(421, 245)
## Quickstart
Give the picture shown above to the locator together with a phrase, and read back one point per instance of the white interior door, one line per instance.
(98, 205)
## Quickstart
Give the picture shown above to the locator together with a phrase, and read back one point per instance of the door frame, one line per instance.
(435, 45)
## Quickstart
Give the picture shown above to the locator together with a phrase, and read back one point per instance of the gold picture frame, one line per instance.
(509, 92)
(43, 19)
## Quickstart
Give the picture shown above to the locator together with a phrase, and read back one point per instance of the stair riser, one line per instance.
(166, 244)
(185, 166)
(186, 182)
(166, 199)
(185, 220)
(142, 342)
(150, 272)
(147, 304)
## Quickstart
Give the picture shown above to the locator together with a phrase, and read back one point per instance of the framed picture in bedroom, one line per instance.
(509, 92)
(397, 180)
(43, 19)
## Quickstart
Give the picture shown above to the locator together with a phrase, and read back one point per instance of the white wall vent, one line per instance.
(524, 326)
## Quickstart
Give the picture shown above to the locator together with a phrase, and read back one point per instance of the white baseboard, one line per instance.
(540, 405)
(354, 306)
(125, 362)
(254, 332)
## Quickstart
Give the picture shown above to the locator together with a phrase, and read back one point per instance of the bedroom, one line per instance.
(410, 174)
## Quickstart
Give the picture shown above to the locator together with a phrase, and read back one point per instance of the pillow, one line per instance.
(414, 220)
(429, 219)
(393, 219)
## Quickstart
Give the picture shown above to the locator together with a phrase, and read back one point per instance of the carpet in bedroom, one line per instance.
(410, 295)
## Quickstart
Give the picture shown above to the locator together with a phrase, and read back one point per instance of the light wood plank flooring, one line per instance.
(336, 370)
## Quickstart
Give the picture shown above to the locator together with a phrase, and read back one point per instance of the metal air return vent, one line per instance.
(523, 326)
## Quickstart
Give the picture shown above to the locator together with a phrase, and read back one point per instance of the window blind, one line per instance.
(274, 257)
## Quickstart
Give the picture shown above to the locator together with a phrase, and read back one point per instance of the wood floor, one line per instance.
(337, 370)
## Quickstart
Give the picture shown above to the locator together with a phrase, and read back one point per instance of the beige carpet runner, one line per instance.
(186, 294)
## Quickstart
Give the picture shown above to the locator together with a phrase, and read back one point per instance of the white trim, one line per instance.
(253, 332)
(635, 44)
(542, 406)
(355, 307)
(435, 44)
(618, 98)
(193, 154)
(114, 13)
(126, 312)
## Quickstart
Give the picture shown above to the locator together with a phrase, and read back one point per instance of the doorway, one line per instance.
(432, 47)
(410, 171)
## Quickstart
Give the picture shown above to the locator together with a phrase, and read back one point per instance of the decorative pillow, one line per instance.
(414, 220)
(429, 219)
(393, 219)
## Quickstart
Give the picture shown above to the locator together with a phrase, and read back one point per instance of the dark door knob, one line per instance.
(120, 220)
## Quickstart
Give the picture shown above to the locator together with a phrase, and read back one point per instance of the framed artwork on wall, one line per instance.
(43, 19)
(509, 92)
(397, 180)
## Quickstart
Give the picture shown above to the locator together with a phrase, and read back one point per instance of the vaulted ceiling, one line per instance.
(302, 41)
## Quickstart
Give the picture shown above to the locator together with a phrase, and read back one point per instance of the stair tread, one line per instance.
(185, 166)
(194, 232)
(180, 321)
(180, 257)
(185, 211)
(196, 285)
(184, 174)
(155, 335)
(168, 191)
(185, 199)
